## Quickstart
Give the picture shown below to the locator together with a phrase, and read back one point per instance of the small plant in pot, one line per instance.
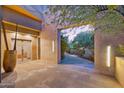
(9, 60)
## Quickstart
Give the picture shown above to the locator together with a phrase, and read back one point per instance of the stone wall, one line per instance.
(102, 40)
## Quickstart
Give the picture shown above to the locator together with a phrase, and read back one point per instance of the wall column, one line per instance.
(39, 48)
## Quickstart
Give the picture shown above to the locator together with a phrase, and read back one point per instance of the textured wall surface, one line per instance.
(119, 70)
(34, 48)
(49, 35)
(102, 40)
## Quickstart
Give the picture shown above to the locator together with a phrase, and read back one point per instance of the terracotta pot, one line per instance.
(9, 61)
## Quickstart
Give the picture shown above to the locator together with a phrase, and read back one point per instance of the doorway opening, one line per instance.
(24, 50)
(77, 46)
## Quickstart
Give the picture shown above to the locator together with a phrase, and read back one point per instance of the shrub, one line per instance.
(63, 47)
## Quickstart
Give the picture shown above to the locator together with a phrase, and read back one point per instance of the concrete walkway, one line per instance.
(75, 60)
(37, 74)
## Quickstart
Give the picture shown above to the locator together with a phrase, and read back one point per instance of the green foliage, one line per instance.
(63, 46)
(120, 50)
(112, 7)
(84, 39)
(68, 14)
(110, 20)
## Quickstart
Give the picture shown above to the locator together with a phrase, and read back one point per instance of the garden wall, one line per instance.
(102, 40)
(119, 70)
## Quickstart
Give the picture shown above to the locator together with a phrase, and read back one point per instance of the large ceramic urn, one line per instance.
(9, 61)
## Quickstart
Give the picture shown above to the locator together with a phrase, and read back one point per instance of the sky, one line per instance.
(71, 33)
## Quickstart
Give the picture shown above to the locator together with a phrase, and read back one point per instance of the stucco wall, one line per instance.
(102, 40)
(119, 70)
(47, 36)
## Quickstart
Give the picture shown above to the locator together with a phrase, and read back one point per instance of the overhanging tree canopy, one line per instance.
(105, 18)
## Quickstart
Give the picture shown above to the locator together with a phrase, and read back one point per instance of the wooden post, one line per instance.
(0, 39)
(15, 37)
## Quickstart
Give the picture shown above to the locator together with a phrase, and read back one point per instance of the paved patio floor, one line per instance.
(65, 75)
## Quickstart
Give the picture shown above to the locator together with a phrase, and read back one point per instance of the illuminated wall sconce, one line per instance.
(28, 36)
(53, 46)
(108, 62)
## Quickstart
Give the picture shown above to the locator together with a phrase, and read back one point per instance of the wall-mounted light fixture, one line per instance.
(28, 36)
(108, 62)
(53, 46)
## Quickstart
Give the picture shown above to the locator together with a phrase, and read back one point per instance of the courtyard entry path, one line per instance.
(74, 72)
(75, 60)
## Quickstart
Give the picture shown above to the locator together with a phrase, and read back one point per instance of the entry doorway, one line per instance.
(77, 46)
(24, 50)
